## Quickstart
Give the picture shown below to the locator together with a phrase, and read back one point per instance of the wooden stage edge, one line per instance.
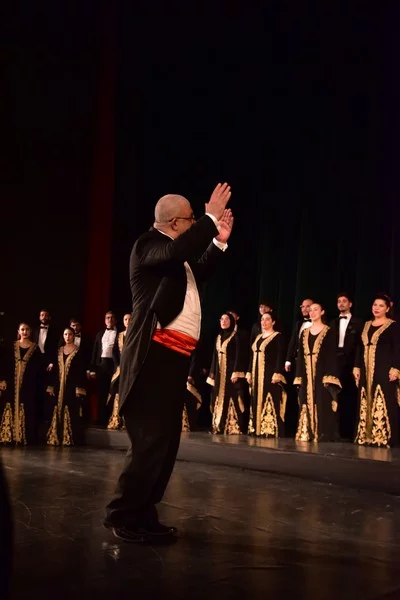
(376, 469)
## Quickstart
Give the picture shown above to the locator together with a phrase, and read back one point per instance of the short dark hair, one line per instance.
(74, 320)
(344, 295)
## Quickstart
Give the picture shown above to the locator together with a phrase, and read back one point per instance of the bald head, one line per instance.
(170, 206)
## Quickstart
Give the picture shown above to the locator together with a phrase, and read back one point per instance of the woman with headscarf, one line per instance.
(227, 376)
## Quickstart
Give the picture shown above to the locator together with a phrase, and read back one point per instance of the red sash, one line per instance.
(174, 340)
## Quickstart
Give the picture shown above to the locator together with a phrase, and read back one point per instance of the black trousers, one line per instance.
(347, 399)
(153, 420)
(104, 373)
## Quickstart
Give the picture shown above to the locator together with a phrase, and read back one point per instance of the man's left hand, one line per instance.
(225, 226)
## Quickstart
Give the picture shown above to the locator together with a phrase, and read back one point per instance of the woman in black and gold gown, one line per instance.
(377, 375)
(66, 393)
(266, 379)
(116, 421)
(20, 370)
(319, 385)
(227, 376)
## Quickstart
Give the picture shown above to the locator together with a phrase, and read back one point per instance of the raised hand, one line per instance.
(218, 201)
(225, 225)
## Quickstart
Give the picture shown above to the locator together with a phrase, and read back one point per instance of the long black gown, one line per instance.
(316, 374)
(379, 412)
(116, 421)
(267, 399)
(228, 408)
(68, 384)
(20, 371)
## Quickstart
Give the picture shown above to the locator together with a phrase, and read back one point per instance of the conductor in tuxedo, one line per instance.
(348, 331)
(166, 266)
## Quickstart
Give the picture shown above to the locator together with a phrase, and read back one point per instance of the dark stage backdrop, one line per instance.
(48, 123)
(296, 107)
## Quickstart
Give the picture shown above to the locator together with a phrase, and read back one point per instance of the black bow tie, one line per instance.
(307, 320)
(342, 317)
(77, 335)
(110, 329)
(43, 327)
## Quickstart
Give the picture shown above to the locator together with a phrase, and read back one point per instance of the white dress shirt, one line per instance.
(77, 341)
(42, 338)
(343, 325)
(107, 343)
(189, 319)
(303, 326)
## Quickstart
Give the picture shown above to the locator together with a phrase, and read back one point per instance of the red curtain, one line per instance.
(102, 189)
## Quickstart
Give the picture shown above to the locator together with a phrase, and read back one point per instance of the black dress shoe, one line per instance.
(142, 534)
(158, 528)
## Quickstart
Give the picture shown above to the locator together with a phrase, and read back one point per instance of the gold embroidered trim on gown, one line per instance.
(269, 422)
(221, 349)
(232, 421)
(373, 426)
(18, 409)
(116, 421)
(259, 361)
(185, 421)
(311, 366)
(6, 427)
(195, 392)
(52, 434)
(67, 429)
(331, 379)
(302, 433)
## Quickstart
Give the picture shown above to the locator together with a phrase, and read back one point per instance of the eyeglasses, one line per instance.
(192, 218)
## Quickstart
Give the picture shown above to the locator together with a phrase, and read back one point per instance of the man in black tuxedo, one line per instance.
(348, 331)
(102, 366)
(47, 339)
(167, 264)
(301, 324)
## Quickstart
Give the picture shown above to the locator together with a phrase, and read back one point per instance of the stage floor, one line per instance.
(243, 534)
(339, 463)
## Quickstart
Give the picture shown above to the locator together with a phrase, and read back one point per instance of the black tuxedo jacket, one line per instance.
(352, 339)
(158, 285)
(293, 346)
(50, 345)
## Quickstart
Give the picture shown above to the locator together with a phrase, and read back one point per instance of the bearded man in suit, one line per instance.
(348, 329)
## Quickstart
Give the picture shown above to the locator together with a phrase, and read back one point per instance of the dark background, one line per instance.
(295, 106)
